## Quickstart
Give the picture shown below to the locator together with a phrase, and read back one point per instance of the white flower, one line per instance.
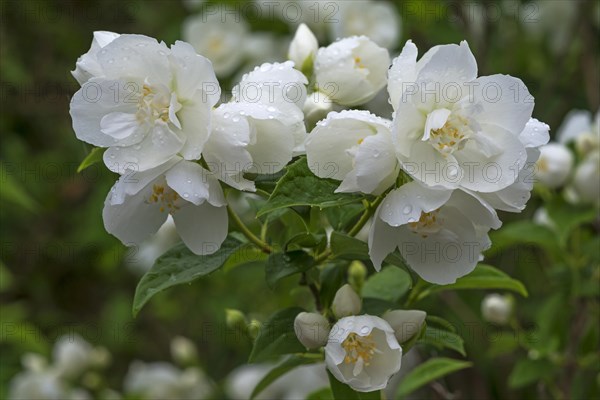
(41, 385)
(219, 37)
(363, 352)
(312, 329)
(378, 20)
(316, 107)
(303, 47)
(579, 127)
(513, 198)
(72, 356)
(586, 181)
(453, 129)
(262, 128)
(496, 309)
(87, 65)
(140, 259)
(139, 203)
(160, 380)
(542, 218)
(352, 70)
(346, 302)
(183, 350)
(406, 323)
(554, 165)
(147, 104)
(440, 233)
(354, 147)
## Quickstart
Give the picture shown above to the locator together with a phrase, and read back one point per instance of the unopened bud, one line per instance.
(312, 329)
(183, 351)
(357, 273)
(406, 323)
(254, 328)
(346, 302)
(303, 48)
(235, 319)
(496, 309)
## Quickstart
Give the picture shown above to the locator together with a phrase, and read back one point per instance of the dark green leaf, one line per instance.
(390, 284)
(332, 277)
(483, 277)
(349, 248)
(342, 391)
(305, 239)
(528, 371)
(179, 265)
(280, 370)
(429, 371)
(441, 339)
(277, 336)
(300, 187)
(321, 394)
(523, 233)
(567, 217)
(92, 158)
(280, 265)
(373, 306)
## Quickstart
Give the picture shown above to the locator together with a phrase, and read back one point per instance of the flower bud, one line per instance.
(406, 323)
(316, 107)
(312, 329)
(235, 319)
(496, 309)
(254, 328)
(346, 302)
(586, 143)
(554, 165)
(183, 350)
(357, 273)
(303, 48)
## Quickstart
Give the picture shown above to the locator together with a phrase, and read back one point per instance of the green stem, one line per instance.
(251, 236)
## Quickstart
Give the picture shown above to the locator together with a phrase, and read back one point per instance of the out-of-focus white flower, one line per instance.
(586, 181)
(453, 129)
(34, 362)
(42, 385)
(262, 128)
(378, 20)
(363, 352)
(87, 65)
(303, 47)
(406, 323)
(316, 107)
(312, 329)
(578, 126)
(183, 350)
(554, 165)
(219, 37)
(352, 70)
(346, 302)
(241, 382)
(541, 217)
(513, 198)
(496, 308)
(147, 104)
(139, 203)
(160, 380)
(142, 258)
(440, 233)
(354, 147)
(71, 355)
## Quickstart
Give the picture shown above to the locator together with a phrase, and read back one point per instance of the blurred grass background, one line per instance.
(60, 271)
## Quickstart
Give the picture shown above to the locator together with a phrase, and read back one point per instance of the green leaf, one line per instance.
(390, 284)
(12, 191)
(483, 277)
(340, 217)
(331, 277)
(349, 248)
(177, 266)
(305, 239)
(567, 217)
(373, 306)
(441, 339)
(321, 394)
(280, 370)
(429, 371)
(528, 371)
(248, 254)
(277, 336)
(342, 391)
(300, 187)
(92, 158)
(280, 265)
(523, 233)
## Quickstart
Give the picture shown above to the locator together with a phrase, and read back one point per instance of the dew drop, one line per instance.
(186, 195)
(364, 330)
(407, 209)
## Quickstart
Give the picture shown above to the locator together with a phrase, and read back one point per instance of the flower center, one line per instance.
(452, 136)
(542, 165)
(154, 104)
(428, 223)
(166, 197)
(359, 349)
(358, 63)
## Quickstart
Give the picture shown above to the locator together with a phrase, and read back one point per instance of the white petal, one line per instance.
(122, 126)
(435, 120)
(449, 63)
(193, 72)
(535, 134)
(376, 164)
(383, 240)
(402, 72)
(202, 228)
(195, 118)
(575, 123)
(189, 180)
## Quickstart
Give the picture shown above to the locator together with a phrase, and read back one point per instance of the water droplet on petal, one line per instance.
(407, 209)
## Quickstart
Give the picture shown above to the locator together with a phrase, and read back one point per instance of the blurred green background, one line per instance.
(61, 272)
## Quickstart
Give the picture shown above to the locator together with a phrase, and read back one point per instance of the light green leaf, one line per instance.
(441, 339)
(483, 277)
(92, 158)
(177, 266)
(321, 394)
(429, 371)
(300, 187)
(528, 371)
(280, 370)
(390, 284)
(280, 265)
(277, 336)
(342, 391)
